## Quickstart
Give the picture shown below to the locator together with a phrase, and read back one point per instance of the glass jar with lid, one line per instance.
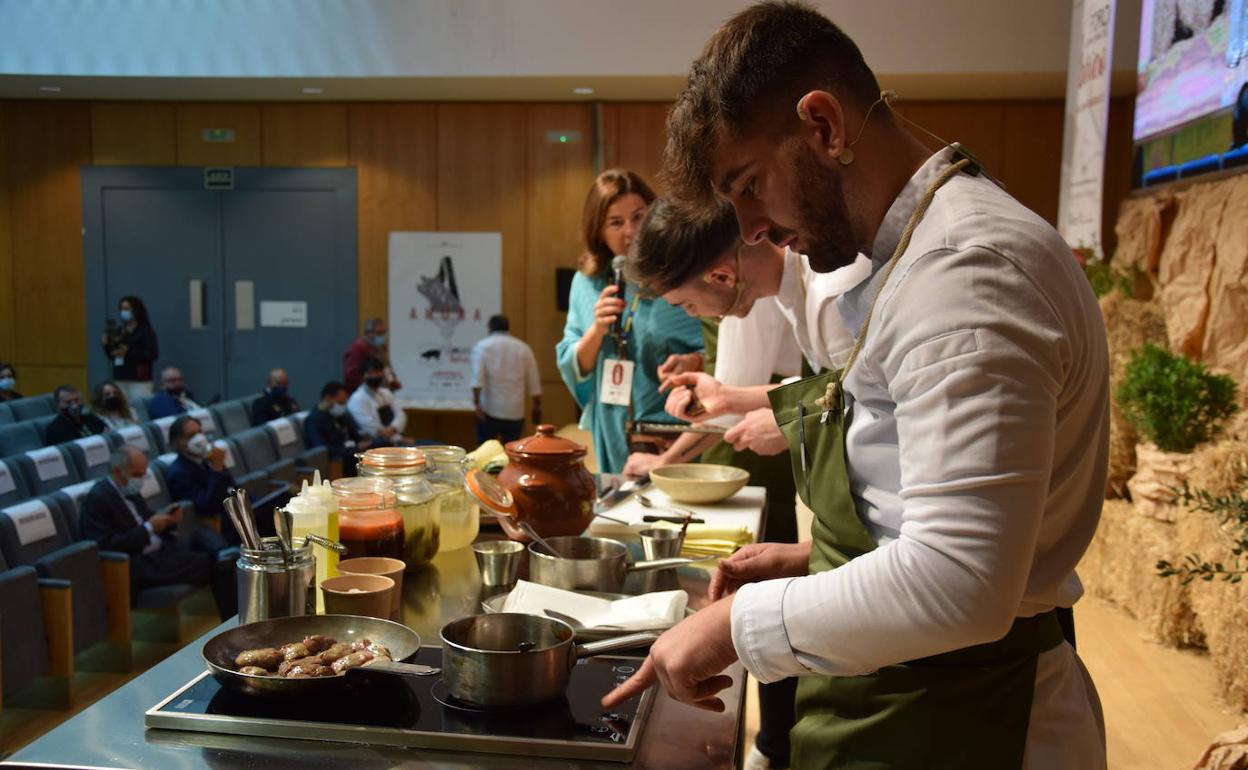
(405, 468)
(457, 512)
(369, 523)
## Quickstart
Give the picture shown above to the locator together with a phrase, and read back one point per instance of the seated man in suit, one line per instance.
(71, 422)
(330, 425)
(198, 474)
(276, 401)
(115, 515)
(173, 397)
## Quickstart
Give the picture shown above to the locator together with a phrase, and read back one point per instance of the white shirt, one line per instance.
(365, 405)
(750, 350)
(154, 543)
(502, 366)
(808, 300)
(977, 444)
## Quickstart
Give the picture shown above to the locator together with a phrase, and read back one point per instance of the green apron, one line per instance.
(965, 709)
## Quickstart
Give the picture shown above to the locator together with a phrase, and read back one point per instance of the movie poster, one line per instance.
(443, 289)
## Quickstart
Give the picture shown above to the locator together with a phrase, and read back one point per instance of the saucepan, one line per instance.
(589, 564)
(515, 659)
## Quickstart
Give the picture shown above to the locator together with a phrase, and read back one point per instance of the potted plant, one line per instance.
(1174, 404)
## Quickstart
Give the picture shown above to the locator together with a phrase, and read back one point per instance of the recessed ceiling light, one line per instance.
(313, 90)
(583, 91)
(50, 89)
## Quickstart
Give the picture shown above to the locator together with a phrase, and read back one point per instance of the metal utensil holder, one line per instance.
(272, 584)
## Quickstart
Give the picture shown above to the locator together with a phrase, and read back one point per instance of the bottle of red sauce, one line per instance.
(369, 523)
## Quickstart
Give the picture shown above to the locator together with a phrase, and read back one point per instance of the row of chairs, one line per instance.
(44, 406)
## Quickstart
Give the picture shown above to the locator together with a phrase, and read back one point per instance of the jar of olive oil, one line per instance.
(418, 501)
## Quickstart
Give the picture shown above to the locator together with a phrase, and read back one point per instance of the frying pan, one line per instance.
(219, 652)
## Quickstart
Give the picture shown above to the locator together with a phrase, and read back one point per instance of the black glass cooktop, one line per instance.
(418, 712)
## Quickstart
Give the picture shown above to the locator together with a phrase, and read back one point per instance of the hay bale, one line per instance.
(1129, 323)
(1186, 266)
(1103, 570)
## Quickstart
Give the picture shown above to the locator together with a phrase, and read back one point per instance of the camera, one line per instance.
(113, 332)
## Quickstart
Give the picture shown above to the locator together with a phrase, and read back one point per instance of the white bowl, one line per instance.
(699, 482)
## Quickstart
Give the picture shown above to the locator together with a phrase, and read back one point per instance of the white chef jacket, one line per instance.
(808, 301)
(977, 450)
(751, 350)
(365, 405)
(502, 366)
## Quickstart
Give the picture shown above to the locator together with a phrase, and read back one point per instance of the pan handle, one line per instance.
(615, 643)
(407, 669)
(673, 561)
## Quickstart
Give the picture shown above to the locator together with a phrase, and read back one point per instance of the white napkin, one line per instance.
(661, 609)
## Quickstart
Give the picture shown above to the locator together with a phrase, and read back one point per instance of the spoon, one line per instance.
(648, 503)
(326, 543)
(524, 526)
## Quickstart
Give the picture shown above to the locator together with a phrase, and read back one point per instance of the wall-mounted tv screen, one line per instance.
(1192, 92)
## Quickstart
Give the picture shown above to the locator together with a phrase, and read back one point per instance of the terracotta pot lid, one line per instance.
(492, 496)
(546, 444)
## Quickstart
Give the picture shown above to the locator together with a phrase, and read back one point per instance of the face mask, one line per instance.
(378, 340)
(126, 316)
(197, 445)
(112, 403)
(73, 411)
(175, 391)
(133, 487)
(338, 410)
(7, 383)
(277, 391)
(373, 382)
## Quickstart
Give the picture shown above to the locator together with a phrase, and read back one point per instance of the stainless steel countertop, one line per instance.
(111, 734)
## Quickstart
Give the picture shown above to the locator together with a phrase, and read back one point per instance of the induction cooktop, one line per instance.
(418, 712)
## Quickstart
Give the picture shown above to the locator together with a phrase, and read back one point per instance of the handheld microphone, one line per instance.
(617, 265)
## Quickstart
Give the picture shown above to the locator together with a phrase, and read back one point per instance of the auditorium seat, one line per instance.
(90, 455)
(47, 470)
(32, 407)
(13, 485)
(19, 437)
(31, 649)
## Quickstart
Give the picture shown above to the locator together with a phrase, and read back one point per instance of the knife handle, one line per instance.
(650, 517)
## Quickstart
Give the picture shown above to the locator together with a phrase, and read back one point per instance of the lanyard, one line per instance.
(626, 325)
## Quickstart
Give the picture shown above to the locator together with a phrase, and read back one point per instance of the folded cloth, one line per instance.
(709, 539)
(661, 609)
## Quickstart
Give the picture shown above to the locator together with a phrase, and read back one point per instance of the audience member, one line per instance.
(198, 474)
(110, 404)
(330, 425)
(276, 401)
(173, 398)
(71, 421)
(371, 345)
(502, 367)
(373, 407)
(115, 515)
(8, 381)
(132, 347)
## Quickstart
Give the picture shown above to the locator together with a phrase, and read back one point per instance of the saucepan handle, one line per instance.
(628, 641)
(668, 563)
(407, 669)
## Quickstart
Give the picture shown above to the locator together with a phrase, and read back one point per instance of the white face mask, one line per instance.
(338, 410)
(133, 486)
(198, 445)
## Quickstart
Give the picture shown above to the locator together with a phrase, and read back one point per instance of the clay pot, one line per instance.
(551, 488)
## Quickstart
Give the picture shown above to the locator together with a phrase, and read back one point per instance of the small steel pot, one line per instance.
(514, 659)
(589, 564)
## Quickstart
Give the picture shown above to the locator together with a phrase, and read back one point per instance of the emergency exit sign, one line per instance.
(217, 135)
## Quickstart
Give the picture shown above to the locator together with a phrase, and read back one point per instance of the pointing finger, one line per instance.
(635, 685)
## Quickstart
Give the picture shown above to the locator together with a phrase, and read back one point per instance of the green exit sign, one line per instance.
(217, 135)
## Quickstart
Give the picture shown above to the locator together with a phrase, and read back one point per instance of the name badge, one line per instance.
(119, 361)
(617, 382)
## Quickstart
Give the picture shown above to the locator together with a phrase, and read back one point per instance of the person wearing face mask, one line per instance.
(115, 515)
(198, 473)
(173, 398)
(132, 348)
(110, 404)
(71, 420)
(372, 344)
(8, 383)
(374, 409)
(612, 345)
(276, 401)
(330, 425)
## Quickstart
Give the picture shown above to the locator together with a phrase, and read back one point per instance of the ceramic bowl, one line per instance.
(699, 482)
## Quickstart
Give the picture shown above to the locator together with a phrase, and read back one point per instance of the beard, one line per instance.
(823, 215)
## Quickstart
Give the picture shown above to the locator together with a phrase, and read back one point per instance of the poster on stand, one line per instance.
(443, 288)
(1087, 118)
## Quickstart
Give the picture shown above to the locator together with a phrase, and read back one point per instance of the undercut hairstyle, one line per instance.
(610, 186)
(748, 80)
(499, 323)
(675, 245)
(332, 389)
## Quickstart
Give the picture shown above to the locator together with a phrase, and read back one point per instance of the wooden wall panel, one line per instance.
(1031, 164)
(194, 151)
(46, 144)
(8, 334)
(393, 147)
(304, 135)
(977, 125)
(133, 134)
(633, 136)
(558, 177)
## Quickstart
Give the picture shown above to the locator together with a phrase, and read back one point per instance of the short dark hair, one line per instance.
(332, 388)
(372, 363)
(498, 323)
(675, 244)
(608, 187)
(748, 78)
(178, 427)
(56, 394)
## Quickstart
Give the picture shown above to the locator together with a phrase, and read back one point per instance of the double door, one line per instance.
(236, 281)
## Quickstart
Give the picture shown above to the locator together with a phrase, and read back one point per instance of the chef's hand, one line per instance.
(641, 463)
(679, 363)
(759, 432)
(687, 661)
(759, 561)
(607, 310)
(709, 391)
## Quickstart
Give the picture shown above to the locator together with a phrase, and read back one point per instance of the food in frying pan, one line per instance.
(313, 657)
